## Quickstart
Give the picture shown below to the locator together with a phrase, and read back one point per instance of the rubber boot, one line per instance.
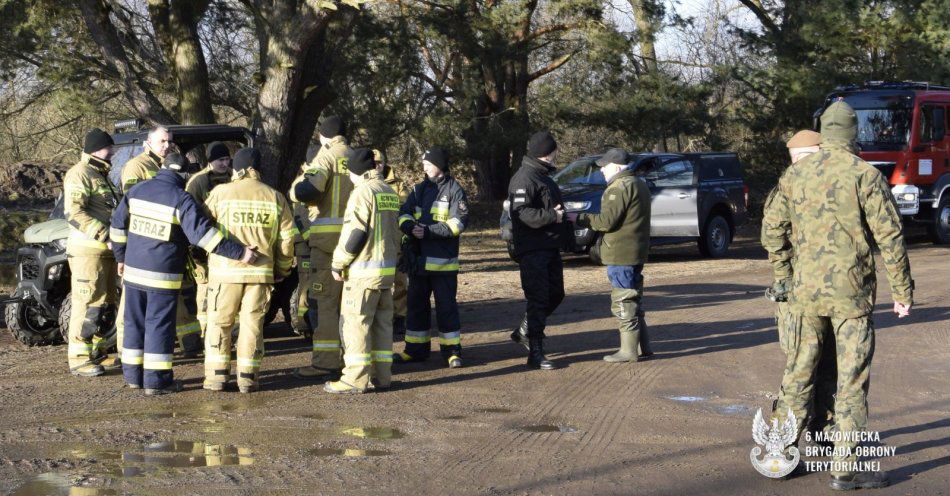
(645, 350)
(628, 348)
(520, 333)
(87, 370)
(536, 358)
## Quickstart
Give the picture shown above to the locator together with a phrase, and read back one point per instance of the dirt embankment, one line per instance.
(30, 184)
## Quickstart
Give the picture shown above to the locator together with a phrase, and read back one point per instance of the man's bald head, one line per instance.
(159, 141)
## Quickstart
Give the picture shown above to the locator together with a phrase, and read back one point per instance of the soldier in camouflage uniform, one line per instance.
(827, 210)
(821, 415)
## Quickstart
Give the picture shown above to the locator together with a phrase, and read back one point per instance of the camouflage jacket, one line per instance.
(819, 227)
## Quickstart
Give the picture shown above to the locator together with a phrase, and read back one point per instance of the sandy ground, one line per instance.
(677, 424)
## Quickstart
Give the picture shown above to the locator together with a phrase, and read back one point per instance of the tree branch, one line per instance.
(553, 66)
(756, 7)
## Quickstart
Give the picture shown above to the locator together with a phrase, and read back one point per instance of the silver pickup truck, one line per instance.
(696, 197)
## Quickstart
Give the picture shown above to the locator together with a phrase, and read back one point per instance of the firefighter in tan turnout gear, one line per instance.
(365, 262)
(324, 186)
(89, 200)
(401, 286)
(199, 186)
(256, 215)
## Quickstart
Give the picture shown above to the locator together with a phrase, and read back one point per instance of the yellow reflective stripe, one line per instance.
(95, 225)
(455, 225)
(405, 218)
(326, 228)
(289, 233)
(417, 336)
(189, 328)
(78, 238)
(442, 267)
(249, 362)
(301, 311)
(136, 278)
(76, 349)
(385, 271)
(239, 271)
(118, 235)
(132, 356)
(382, 356)
(216, 358)
(357, 359)
(450, 337)
(322, 345)
(157, 361)
(210, 240)
(152, 210)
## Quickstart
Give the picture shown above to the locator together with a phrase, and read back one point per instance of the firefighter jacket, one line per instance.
(199, 185)
(533, 196)
(439, 206)
(152, 228)
(140, 168)
(88, 201)
(324, 186)
(395, 183)
(253, 213)
(369, 242)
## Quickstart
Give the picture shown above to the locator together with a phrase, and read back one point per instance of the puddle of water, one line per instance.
(192, 454)
(53, 484)
(373, 432)
(493, 410)
(548, 428)
(92, 454)
(686, 398)
(734, 410)
(348, 452)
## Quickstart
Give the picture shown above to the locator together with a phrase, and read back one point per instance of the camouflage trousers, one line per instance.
(816, 414)
(854, 342)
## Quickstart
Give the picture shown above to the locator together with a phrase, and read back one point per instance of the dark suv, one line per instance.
(38, 312)
(695, 196)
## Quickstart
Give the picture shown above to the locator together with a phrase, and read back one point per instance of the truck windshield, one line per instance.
(883, 120)
(582, 171)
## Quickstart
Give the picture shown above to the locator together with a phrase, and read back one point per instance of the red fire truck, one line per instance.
(904, 130)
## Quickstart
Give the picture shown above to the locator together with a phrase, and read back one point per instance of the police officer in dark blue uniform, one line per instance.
(433, 217)
(151, 230)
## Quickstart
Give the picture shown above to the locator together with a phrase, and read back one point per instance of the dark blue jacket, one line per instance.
(442, 208)
(152, 228)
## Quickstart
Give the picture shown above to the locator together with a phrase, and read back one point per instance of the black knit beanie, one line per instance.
(541, 144)
(360, 160)
(332, 126)
(96, 140)
(217, 150)
(438, 156)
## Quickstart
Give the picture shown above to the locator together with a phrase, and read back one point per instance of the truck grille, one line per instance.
(29, 268)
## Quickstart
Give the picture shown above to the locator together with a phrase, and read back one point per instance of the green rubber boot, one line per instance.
(628, 348)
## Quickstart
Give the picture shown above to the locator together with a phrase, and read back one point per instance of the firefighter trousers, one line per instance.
(93, 283)
(542, 280)
(301, 320)
(149, 337)
(367, 335)
(325, 294)
(401, 295)
(247, 303)
(418, 320)
(187, 327)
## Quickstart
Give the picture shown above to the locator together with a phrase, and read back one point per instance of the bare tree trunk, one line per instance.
(647, 14)
(95, 14)
(176, 27)
(296, 82)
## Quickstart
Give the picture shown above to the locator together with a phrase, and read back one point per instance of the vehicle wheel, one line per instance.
(940, 227)
(714, 241)
(594, 252)
(109, 334)
(28, 324)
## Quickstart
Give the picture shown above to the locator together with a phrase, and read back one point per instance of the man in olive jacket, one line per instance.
(624, 219)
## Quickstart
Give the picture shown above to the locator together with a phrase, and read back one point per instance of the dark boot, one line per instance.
(645, 350)
(520, 333)
(536, 358)
(628, 348)
(859, 480)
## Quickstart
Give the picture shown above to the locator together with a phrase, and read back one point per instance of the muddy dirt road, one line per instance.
(678, 424)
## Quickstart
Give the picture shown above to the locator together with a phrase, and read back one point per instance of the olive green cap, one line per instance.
(839, 123)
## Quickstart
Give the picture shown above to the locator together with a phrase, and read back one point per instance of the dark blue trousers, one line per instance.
(149, 340)
(419, 313)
